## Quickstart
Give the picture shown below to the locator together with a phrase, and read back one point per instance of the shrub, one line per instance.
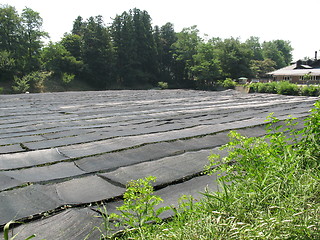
(67, 78)
(1, 90)
(33, 81)
(139, 205)
(228, 83)
(270, 189)
(253, 87)
(21, 85)
(271, 87)
(310, 91)
(286, 88)
(163, 85)
(262, 88)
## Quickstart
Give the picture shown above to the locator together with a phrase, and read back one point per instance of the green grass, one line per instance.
(270, 189)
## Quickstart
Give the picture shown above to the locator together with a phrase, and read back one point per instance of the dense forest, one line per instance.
(129, 53)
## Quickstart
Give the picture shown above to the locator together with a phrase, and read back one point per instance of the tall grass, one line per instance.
(270, 189)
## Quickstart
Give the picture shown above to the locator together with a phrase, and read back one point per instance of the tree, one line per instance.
(234, 57)
(165, 37)
(10, 38)
(206, 69)
(253, 43)
(78, 26)
(125, 54)
(73, 44)
(184, 49)
(260, 68)
(97, 53)
(286, 50)
(7, 63)
(32, 34)
(58, 60)
(10, 29)
(279, 51)
(135, 50)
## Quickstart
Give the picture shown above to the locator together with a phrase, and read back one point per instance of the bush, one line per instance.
(1, 90)
(310, 91)
(286, 88)
(262, 88)
(163, 85)
(228, 83)
(67, 78)
(271, 185)
(21, 85)
(253, 87)
(271, 87)
(33, 81)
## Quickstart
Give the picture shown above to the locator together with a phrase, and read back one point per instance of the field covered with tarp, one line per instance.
(62, 154)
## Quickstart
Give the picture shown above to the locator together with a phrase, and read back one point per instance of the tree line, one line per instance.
(128, 53)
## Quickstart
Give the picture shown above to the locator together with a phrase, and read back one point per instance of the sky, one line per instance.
(290, 20)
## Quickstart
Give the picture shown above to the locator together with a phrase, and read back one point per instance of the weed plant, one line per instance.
(6, 234)
(270, 189)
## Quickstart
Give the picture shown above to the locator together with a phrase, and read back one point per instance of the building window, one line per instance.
(312, 78)
(286, 78)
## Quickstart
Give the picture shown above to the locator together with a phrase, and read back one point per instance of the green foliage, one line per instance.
(135, 56)
(73, 44)
(283, 87)
(164, 38)
(67, 78)
(234, 58)
(32, 34)
(97, 53)
(1, 90)
(310, 144)
(163, 85)
(21, 85)
(37, 79)
(139, 204)
(33, 81)
(287, 88)
(6, 61)
(206, 69)
(6, 232)
(271, 184)
(310, 91)
(279, 51)
(105, 228)
(260, 68)
(20, 37)
(57, 59)
(228, 83)
(185, 48)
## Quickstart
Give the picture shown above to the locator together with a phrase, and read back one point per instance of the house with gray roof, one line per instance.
(303, 71)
